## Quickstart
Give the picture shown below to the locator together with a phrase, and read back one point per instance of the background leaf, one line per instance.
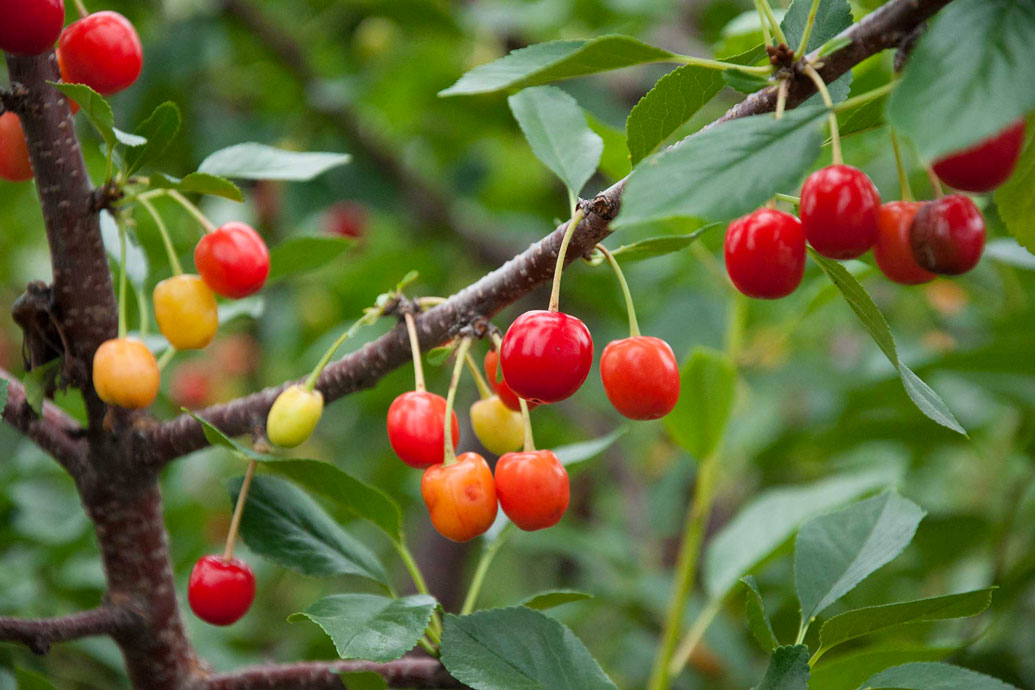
(137, 265)
(363, 680)
(1016, 203)
(934, 676)
(253, 161)
(573, 455)
(372, 627)
(758, 621)
(850, 671)
(30, 680)
(198, 183)
(699, 418)
(3, 394)
(788, 669)
(303, 253)
(554, 598)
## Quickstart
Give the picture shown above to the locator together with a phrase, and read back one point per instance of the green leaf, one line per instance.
(198, 183)
(849, 671)
(94, 108)
(934, 676)
(325, 480)
(833, 45)
(768, 520)
(859, 622)
(3, 394)
(304, 253)
(614, 161)
(724, 171)
(159, 129)
(249, 307)
(573, 455)
(30, 680)
(283, 524)
(666, 107)
(788, 669)
(707, 383)
(556, 128)
(658, 246)
(955, 93)
(437, 356)
(253, 161)
(554, 598)
(543, 63)
(369, 626)
(926, 400)
(363, 680)
(758, 620)
(510, 648)
(835, 552)
(127, 139)
(1006, 250)
(35, 382)
(832, 17)
(744, 82)
(1016, 203)
(137, 265)
(864, 118)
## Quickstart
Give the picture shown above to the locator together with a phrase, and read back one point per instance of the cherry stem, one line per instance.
(789, 198)
(865, 97)
(434, 631)
(449, 457)
(479, 380)
(720, 65)
(526, 419)
(142, 307)
(781, 98)
(766, 34)
(936, 184)
(370, 317)
(174, 261)
(235, 521)
(835, 136)
(166, 357)
(804, 43)
(81, 8)
(418, 368)
(488, 555)
(555, 293)
(634, 326)
(767, 14)
(122, 280)
(903, 179)
(186, 203)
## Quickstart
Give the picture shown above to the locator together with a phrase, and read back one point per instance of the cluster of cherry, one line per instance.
(842, 218)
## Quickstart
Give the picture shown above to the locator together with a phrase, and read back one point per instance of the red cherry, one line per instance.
(546, 355)
(948, 235)
(987, 164)
(415, 425)
(461, 498)
(14, 152)
(191, 385)
(507, 396)
(641, 377)
(532, 487)
(765, 253)
(347, 219)
(220, 592)
(233, 260)
(101, 50)
(30, 27)
(893, 252)
(838, 208)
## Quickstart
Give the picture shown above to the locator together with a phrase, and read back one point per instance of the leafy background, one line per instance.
(815, 398)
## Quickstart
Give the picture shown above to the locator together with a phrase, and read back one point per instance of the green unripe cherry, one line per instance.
(294, 415)
(499, 428)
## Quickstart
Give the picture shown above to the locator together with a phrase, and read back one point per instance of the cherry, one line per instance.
(347, 219)
(186, 312)
(191, 385)
(893, 252)
(765, 253)
(30, 27)
(220, 592)
(415, 428)
(461, 497)
(546, 355)
(498, 428)
(507, 396)
(532, 487)
(101, 50)
(948, 235)
(641, 376)
(233, 260)
(14, 152)
(125, 373)
(838, 209)
(293, 416)
(987, 164)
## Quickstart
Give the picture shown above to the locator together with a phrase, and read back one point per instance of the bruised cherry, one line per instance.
(948, 235)
(892, 251)
(839, 206)
(461, 497)
(641, 376)
(987, 164)
(416, 422)
(765, 253)
(546, 355)
(220, 592)
(532, 487)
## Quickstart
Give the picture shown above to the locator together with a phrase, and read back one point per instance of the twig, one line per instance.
(39, 633)
(324, 675)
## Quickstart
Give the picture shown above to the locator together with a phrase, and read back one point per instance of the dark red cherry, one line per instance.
(546, 355)
(839, 206)
(765, 253)
(987, 164)
(948, 235)
(30, 27)
(220, 592)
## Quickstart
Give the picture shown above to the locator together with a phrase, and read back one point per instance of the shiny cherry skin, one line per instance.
(765, 253)
(125, 373)
(461, 498)
(186, 311)
(641, 377)
(30, 27)
(233, 260)
(498, 428)
(532, 488)
(839, 206)
(507, 396)
(220, 592)
(294, 416)
(948, 235)
(546, 355)
(101, 50)
(892, 251)
(987, 164)
(415, 428)
(14, 152)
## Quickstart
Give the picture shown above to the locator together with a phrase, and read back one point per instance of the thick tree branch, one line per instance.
(882, 29)
(55, 432)
(38, 634)
(323, 675)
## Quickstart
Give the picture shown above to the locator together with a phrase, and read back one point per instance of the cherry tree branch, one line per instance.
(39, 633)
(55, 432)
(883, 29)
(324, 675)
